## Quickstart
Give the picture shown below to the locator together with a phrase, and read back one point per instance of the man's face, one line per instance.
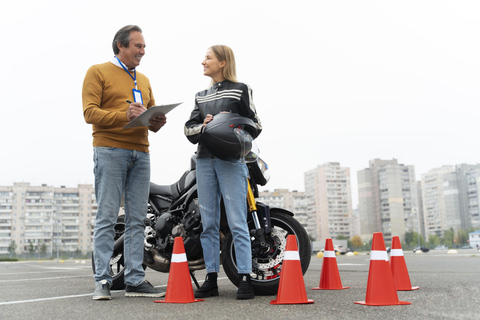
(132, 54)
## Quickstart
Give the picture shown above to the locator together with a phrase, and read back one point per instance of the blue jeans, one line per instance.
(120, 172)
(215, 178)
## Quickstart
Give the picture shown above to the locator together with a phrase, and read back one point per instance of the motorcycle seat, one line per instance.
(170, 190)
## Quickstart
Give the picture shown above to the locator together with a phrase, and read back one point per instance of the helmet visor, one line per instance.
(249, 149)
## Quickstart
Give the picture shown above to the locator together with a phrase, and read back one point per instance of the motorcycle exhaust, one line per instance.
(162, 263)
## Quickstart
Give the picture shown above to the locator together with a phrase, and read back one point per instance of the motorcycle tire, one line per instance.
(265, 280)
(117, 263)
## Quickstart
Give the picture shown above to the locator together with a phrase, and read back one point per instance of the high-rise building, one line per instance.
(420, 210)
(356, 223)
(44, 218)
(75, 211)
(469, 192)
(292, 201)
(388, 203)
(450, 198)
(441, 206)
(329, 201)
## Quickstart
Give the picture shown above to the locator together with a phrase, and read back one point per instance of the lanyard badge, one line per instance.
(137, 94)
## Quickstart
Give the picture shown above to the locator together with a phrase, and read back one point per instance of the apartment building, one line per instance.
(388, 199)
(443, 190)
(329, 197)
(468, 181)
(75, 211)
(44, 218)
(293, 201)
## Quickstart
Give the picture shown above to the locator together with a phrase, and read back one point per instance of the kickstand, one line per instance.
(192, 274)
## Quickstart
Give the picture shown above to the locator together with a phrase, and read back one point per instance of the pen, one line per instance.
(128, 101)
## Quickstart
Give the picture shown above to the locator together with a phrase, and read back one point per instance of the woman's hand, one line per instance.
(207, 119)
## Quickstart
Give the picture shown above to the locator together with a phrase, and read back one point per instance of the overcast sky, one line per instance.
(333, 81)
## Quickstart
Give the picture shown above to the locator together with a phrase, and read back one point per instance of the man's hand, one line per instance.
(157, 122)
(134, 110)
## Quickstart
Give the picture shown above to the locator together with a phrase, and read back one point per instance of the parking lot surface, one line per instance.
(449, 289)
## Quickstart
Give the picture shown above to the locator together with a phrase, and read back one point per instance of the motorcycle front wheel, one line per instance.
(266, 267)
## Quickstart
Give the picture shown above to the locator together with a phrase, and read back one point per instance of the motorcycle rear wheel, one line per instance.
(266, 270)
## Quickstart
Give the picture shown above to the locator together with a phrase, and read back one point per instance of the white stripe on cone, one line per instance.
(291, 255)
(179, 257)
(396, 253)
(329, 254)
(378, 255)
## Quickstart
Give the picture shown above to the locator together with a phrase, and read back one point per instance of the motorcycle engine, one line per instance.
(178, 223)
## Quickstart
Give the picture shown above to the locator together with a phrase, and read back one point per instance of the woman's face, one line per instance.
(212, 67)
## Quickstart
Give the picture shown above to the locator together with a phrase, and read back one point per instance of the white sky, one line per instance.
(333, 81)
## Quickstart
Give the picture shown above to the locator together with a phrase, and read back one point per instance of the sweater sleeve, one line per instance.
(92, 98)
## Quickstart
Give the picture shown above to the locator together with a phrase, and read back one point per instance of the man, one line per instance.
(121, 159)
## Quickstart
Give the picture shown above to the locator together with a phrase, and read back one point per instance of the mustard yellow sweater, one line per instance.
(105, 90)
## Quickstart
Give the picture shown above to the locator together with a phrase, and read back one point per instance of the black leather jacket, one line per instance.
(228, 96)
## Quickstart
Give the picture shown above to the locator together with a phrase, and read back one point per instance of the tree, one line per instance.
(12, 248)
(433, 241)
(409, 237)
(448, 237)
(356, 241)
(43, 248)
(413, 239)
(31, 249)
(462, 237)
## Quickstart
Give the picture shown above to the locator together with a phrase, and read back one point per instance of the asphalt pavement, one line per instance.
(449, 289)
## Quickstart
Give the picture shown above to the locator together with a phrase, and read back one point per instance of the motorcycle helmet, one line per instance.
(249, 149)
(229, 137)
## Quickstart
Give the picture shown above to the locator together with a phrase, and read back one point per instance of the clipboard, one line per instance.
(143, 119)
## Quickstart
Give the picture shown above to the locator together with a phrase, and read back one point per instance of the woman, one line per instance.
(216, 177)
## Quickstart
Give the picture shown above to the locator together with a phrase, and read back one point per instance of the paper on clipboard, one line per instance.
(143, 119)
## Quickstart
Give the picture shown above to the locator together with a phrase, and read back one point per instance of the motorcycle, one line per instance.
(173, 211)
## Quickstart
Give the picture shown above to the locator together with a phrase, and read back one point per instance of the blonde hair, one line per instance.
(225, 53)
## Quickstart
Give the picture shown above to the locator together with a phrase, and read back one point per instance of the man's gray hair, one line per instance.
(123, 36)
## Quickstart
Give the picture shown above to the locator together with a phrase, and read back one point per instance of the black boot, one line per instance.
(209, 288)
(245, 288)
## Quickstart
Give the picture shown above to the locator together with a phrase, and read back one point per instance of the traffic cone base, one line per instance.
(329, 276)
(398, 303)
(300, 301)
(291, 289)
(411, 289)
(179, 286)
(380, 286)
(399, 267)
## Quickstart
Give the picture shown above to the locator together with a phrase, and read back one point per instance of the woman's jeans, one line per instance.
(215, 178)
(120, 172)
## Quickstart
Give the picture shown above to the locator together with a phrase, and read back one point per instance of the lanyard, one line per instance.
(134, 77)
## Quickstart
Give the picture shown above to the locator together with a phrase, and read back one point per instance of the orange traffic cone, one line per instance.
(291, 289)
(329, 277)
(399, 267)
(179, 286)
(380, 286)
